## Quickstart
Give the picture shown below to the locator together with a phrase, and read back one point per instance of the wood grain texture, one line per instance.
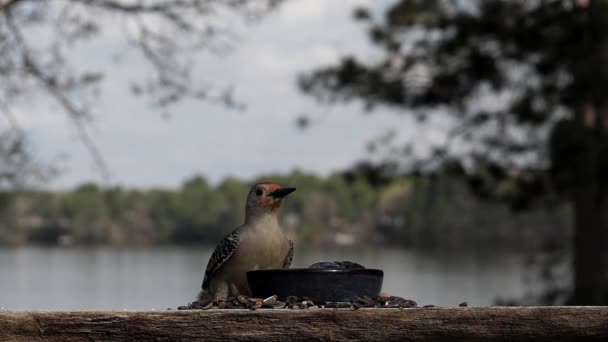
(453, 324)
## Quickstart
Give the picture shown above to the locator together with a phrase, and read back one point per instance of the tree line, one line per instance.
(341, 209)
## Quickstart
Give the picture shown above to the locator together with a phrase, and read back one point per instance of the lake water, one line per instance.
(166, 277)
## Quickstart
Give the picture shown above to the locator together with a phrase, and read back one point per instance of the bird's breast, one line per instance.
(263, 247)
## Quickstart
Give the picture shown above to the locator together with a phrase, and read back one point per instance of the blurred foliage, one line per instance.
(521, 85)
(409, 211)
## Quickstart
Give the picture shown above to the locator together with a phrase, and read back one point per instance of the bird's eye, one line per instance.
(259, 192)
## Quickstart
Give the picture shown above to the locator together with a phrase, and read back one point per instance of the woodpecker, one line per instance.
(260, 243)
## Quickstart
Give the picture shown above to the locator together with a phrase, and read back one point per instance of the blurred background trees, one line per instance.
(521, 85)
(38, 41)
(409, 212)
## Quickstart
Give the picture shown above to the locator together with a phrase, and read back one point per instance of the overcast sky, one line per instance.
(143, 149)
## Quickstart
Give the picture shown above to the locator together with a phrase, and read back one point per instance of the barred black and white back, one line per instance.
(221, 254)
(289, 257)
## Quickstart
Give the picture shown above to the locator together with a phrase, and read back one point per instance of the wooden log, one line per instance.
(450, 324)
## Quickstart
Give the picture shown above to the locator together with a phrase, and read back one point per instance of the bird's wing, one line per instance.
(221, 254)
(289, 256)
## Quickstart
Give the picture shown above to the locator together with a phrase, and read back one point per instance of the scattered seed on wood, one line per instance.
(278, 305)
(408, 303)
(337, 305)
(270, 300)
(384, 296)
(293, 302)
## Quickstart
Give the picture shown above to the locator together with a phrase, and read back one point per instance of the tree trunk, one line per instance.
(579, 158)
(590, 248)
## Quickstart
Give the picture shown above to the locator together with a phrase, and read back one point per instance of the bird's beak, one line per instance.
(281, 192)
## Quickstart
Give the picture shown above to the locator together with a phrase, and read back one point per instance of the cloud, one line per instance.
(142, 149)
(302, 36)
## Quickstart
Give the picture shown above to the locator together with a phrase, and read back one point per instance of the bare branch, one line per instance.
(8, 4)
(10, 117)
(75, 114)
(166, 33)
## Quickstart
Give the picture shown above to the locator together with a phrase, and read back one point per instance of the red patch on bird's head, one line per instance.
(258, 196)
(269, 186)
